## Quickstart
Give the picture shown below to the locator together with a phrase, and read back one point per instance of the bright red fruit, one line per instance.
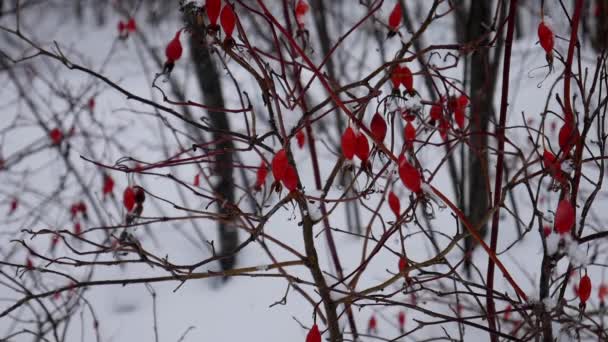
(228, 20)
(394, 204)
(77, 228)
(436, 112)
(314, 335)
(174, 49)
(279, 165)
(584, 288)
(443, 128)
(300, 138)
(395, 18)
(459, 117)
(568, 137)
(74, 210)
(197, 180)
(261, 175)
(14, 205)
(302, 8)
(545, 36)
(463, 101)
(378, 127)
(402, 264)
(128, 198)
(403, 75)
(409, 176)
(372, 325)
(362, 148)
(564, 217)
(508, 312)
(407, 79)
(56, 136)
(603, 291)
(29, 264)
(108, 185)
(212, 7)
(401, 320)
(550, 161)
(131, 25)
(349, 143)
(396, 76)
(546, 231)
(290, 179)
(54, 240)
(121, 27)
(409, 133)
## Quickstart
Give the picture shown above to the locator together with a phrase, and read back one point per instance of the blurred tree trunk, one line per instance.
(482, 87)
(600, 29)
(210, 84)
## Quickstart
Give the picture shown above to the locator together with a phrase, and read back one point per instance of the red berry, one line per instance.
(372, 325)
(394, 204)
(401, 319)
(378, 127)
(13, 207)
(408, 79)
(174, 49)
(564, 217)
(279, 165)
(402, 264)
(212, 7)
(228, 20)
(403, 75)
(443, 128)
(301, 139)
(459, 117)
(290, 179)
(108, 185)
(362, 148)
(396, 76)
(584, 288)
(128, 198)
(603, 291)
(74, 210)
(302, 8)
(121, 27)
(91, 104)
(508, 312)
(77, 228)
(436, 112)
(54, 240)
(409, 133)
(546, 230)
(131, 25)
(568, 137)
(545, 35)
(463, 101)
(395, 18)
(349, 143)
(197, 180)
(409, 175)
(261, 175)
(314, 335)
(550, 161)
(56, 136)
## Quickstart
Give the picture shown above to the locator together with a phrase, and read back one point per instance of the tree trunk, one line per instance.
(482, 109)
(211, 88)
